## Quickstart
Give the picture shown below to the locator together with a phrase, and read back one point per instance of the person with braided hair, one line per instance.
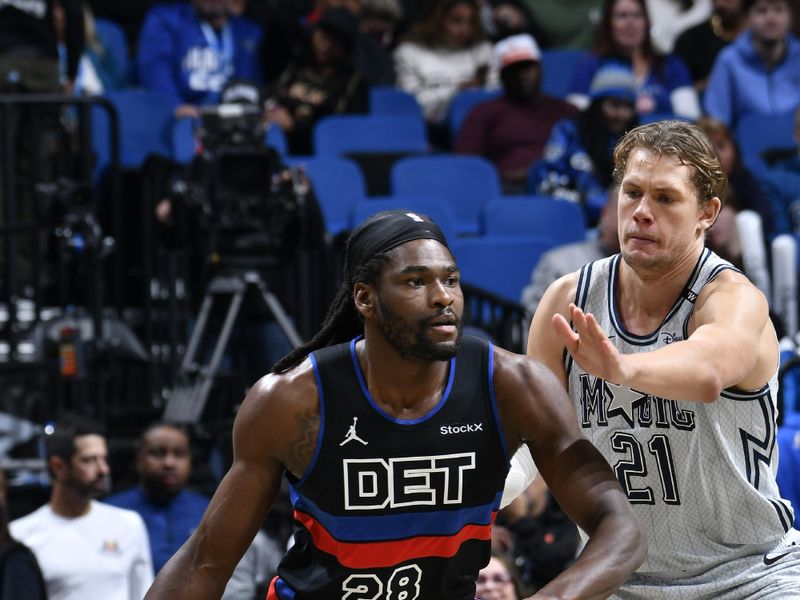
(395, 432)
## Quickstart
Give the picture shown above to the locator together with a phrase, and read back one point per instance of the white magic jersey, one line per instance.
(700, 477)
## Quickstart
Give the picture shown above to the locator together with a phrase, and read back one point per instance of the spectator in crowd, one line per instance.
(372, 55)
(577, 164)
(671, 17)
(380, 20)
(172, 512)
(20, 576)
(664, 83)
(511, 130)
(781, 184)
(786, 159)
(129, 15)
(507, 18)
(698, 46)
(560, 24)
(322, 80)
(443, 54)
(498, 580)
(99, 70)
(29, 47)
(86, 549)
(189, 51)
(570, 257)
(760, 71)
(744, 190)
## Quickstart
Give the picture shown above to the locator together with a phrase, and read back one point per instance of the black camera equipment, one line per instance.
(252, 213)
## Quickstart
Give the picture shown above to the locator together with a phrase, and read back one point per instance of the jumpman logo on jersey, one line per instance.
(351, 434)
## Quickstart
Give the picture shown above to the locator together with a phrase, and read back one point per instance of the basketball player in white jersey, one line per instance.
(670, 358)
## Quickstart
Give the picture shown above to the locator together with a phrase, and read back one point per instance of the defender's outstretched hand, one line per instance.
(589, 345)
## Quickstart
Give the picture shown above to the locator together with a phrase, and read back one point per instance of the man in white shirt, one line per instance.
(85, 549)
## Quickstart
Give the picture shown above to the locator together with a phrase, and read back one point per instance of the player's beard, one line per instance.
(411, 340)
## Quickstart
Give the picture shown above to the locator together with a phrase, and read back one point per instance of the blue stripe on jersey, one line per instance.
(494, 406)
(397, 526)
(321, 397)
(384, 414)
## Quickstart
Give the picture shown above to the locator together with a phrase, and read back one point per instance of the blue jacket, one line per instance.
(184, 58)
(654, 94)
(566, 170)
(739, 83)
(168, 525)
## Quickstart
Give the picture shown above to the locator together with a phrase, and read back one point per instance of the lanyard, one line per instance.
(221, 45)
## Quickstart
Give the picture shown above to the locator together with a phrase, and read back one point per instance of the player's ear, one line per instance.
(709, 212)
(364, 297)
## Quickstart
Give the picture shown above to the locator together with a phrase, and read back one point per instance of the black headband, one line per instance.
(382, 232)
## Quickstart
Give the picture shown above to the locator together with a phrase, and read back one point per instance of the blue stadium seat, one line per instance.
(113, 39)
(558, 67)
(338, 184)
(145, 122)
(536, 215)
(341, 134)
(500, 264)
(757, 132)
(386, 100)
(429, 205)
(465, 183)
(463, 102)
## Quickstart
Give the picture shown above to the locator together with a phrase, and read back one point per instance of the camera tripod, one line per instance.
(194, 380)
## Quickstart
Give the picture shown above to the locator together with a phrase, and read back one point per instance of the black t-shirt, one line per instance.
(20, 576)
(28, 26)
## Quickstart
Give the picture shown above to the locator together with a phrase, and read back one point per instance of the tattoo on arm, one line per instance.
(303, 448)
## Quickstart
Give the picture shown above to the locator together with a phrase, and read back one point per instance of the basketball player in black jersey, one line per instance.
(395, 435)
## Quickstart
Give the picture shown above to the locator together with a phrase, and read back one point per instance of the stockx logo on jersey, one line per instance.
(601, 400)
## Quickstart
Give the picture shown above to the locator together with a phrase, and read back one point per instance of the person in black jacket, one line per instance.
(20, 576)
(28, 47)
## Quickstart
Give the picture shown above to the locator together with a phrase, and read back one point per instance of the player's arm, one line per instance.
(536, 411)
(731, 343)
(274, 429)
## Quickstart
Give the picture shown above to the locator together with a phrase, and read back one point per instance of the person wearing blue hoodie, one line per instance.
(760, 71)
(189, 51)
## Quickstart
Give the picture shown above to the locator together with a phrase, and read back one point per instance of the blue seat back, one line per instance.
(429, 205)
(338, 185)
(145, 121)
(558, 67)
(757, 132)
(462, 103)
(537, 215)
(112, 36)
(500, 264)
(340, 134)
(465, 183)
(386, 100)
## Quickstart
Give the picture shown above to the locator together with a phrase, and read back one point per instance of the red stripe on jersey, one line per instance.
(369, 555)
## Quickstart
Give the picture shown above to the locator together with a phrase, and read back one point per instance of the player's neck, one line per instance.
(405, 388)
(645, 296)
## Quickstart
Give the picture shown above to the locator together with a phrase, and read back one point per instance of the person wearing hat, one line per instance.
(577, 161)
(321, 80)
(189, 51)
(395, 433)
(512, 129)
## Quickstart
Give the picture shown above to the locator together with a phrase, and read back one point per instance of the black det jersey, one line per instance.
(396, 509)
